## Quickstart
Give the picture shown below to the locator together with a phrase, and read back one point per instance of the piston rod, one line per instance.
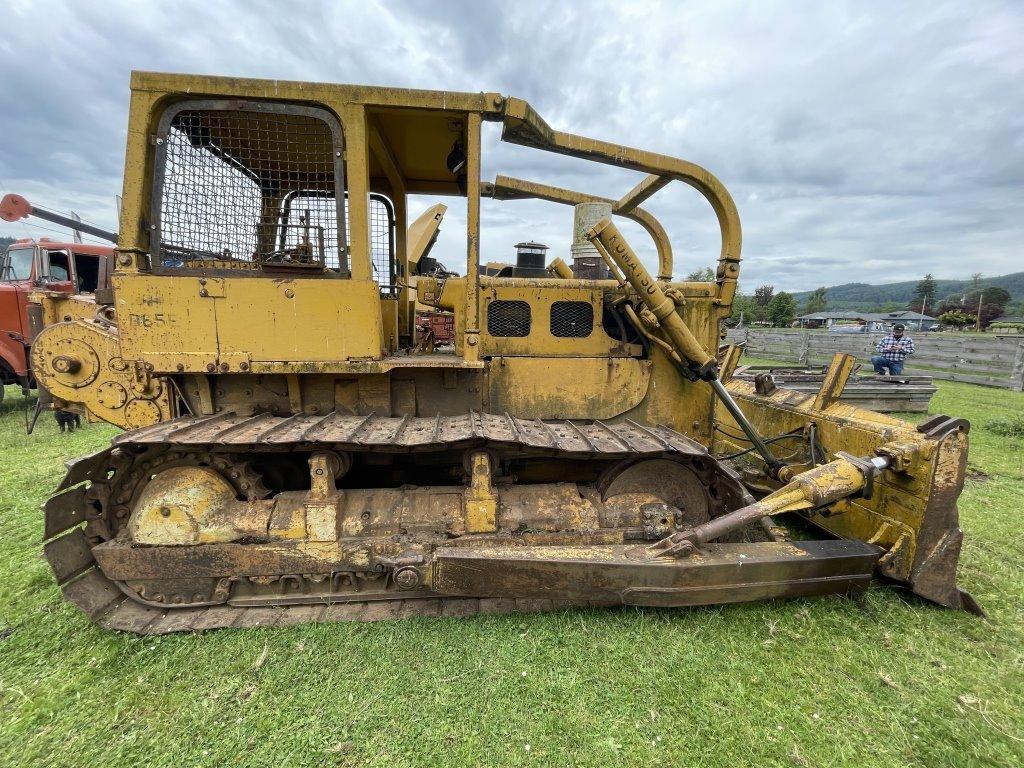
(748, 429)
(613, 246)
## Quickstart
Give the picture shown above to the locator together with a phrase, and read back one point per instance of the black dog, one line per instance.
(67, 421)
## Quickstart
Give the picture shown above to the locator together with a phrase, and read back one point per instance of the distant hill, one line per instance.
(866, 297)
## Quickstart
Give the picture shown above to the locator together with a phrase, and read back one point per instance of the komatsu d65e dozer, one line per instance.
(292, 454)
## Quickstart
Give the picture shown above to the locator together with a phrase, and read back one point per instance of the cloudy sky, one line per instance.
(862, 141)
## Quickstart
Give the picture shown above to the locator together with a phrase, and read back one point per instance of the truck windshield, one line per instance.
(18, 265)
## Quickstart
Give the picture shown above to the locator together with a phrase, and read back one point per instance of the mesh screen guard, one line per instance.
(572, 319)
(508, 318)
(258, 184)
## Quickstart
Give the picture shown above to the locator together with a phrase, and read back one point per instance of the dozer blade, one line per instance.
(932, 574)
(914, 516)
(718, 573)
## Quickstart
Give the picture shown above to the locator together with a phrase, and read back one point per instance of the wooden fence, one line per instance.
(993, 362)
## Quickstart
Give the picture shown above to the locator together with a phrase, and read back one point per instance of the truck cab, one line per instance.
(41, 265)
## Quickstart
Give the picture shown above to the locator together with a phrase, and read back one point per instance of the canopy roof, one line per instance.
(419, 128)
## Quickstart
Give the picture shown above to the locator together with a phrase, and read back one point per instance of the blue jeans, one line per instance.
(895, 366)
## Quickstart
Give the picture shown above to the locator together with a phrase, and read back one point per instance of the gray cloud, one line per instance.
(862, 141)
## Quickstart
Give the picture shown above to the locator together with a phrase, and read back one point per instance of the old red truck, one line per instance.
(44, 264)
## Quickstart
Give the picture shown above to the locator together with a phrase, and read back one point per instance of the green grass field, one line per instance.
(825, 682)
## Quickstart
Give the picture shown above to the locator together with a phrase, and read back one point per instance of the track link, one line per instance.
(95, 497)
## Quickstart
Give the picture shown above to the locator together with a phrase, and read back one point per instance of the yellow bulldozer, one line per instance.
(290, 455)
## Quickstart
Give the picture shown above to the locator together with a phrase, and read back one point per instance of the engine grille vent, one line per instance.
(572, 319)
(508, 318)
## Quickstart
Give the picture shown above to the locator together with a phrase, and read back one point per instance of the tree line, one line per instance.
(764, 306)
(979, 305)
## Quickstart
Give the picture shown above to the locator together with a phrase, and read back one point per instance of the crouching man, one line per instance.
(892, 351)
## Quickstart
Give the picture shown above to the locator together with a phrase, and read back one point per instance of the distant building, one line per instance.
(852, 321)
(841, 321)
(913, 320)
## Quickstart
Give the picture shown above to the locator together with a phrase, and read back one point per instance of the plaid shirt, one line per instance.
(895, 349)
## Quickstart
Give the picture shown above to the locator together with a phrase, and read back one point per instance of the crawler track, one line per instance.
(94, 500)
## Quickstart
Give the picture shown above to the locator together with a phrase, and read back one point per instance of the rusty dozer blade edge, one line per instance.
(719, 573)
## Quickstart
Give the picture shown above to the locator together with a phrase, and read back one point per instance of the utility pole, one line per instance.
(920, 320)
(77, 232)
(977, 322)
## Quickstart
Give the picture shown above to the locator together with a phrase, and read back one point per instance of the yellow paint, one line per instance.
(63, 307)
(168, 322)
(106, 385)
(481, 503)
(895, 513)
(191, 505)
(541, 342)
(606, 236)
(423, 232)
(832, 386)
(560, 269)
(567, 388)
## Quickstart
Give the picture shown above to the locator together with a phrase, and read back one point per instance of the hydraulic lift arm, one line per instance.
(694, 360)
